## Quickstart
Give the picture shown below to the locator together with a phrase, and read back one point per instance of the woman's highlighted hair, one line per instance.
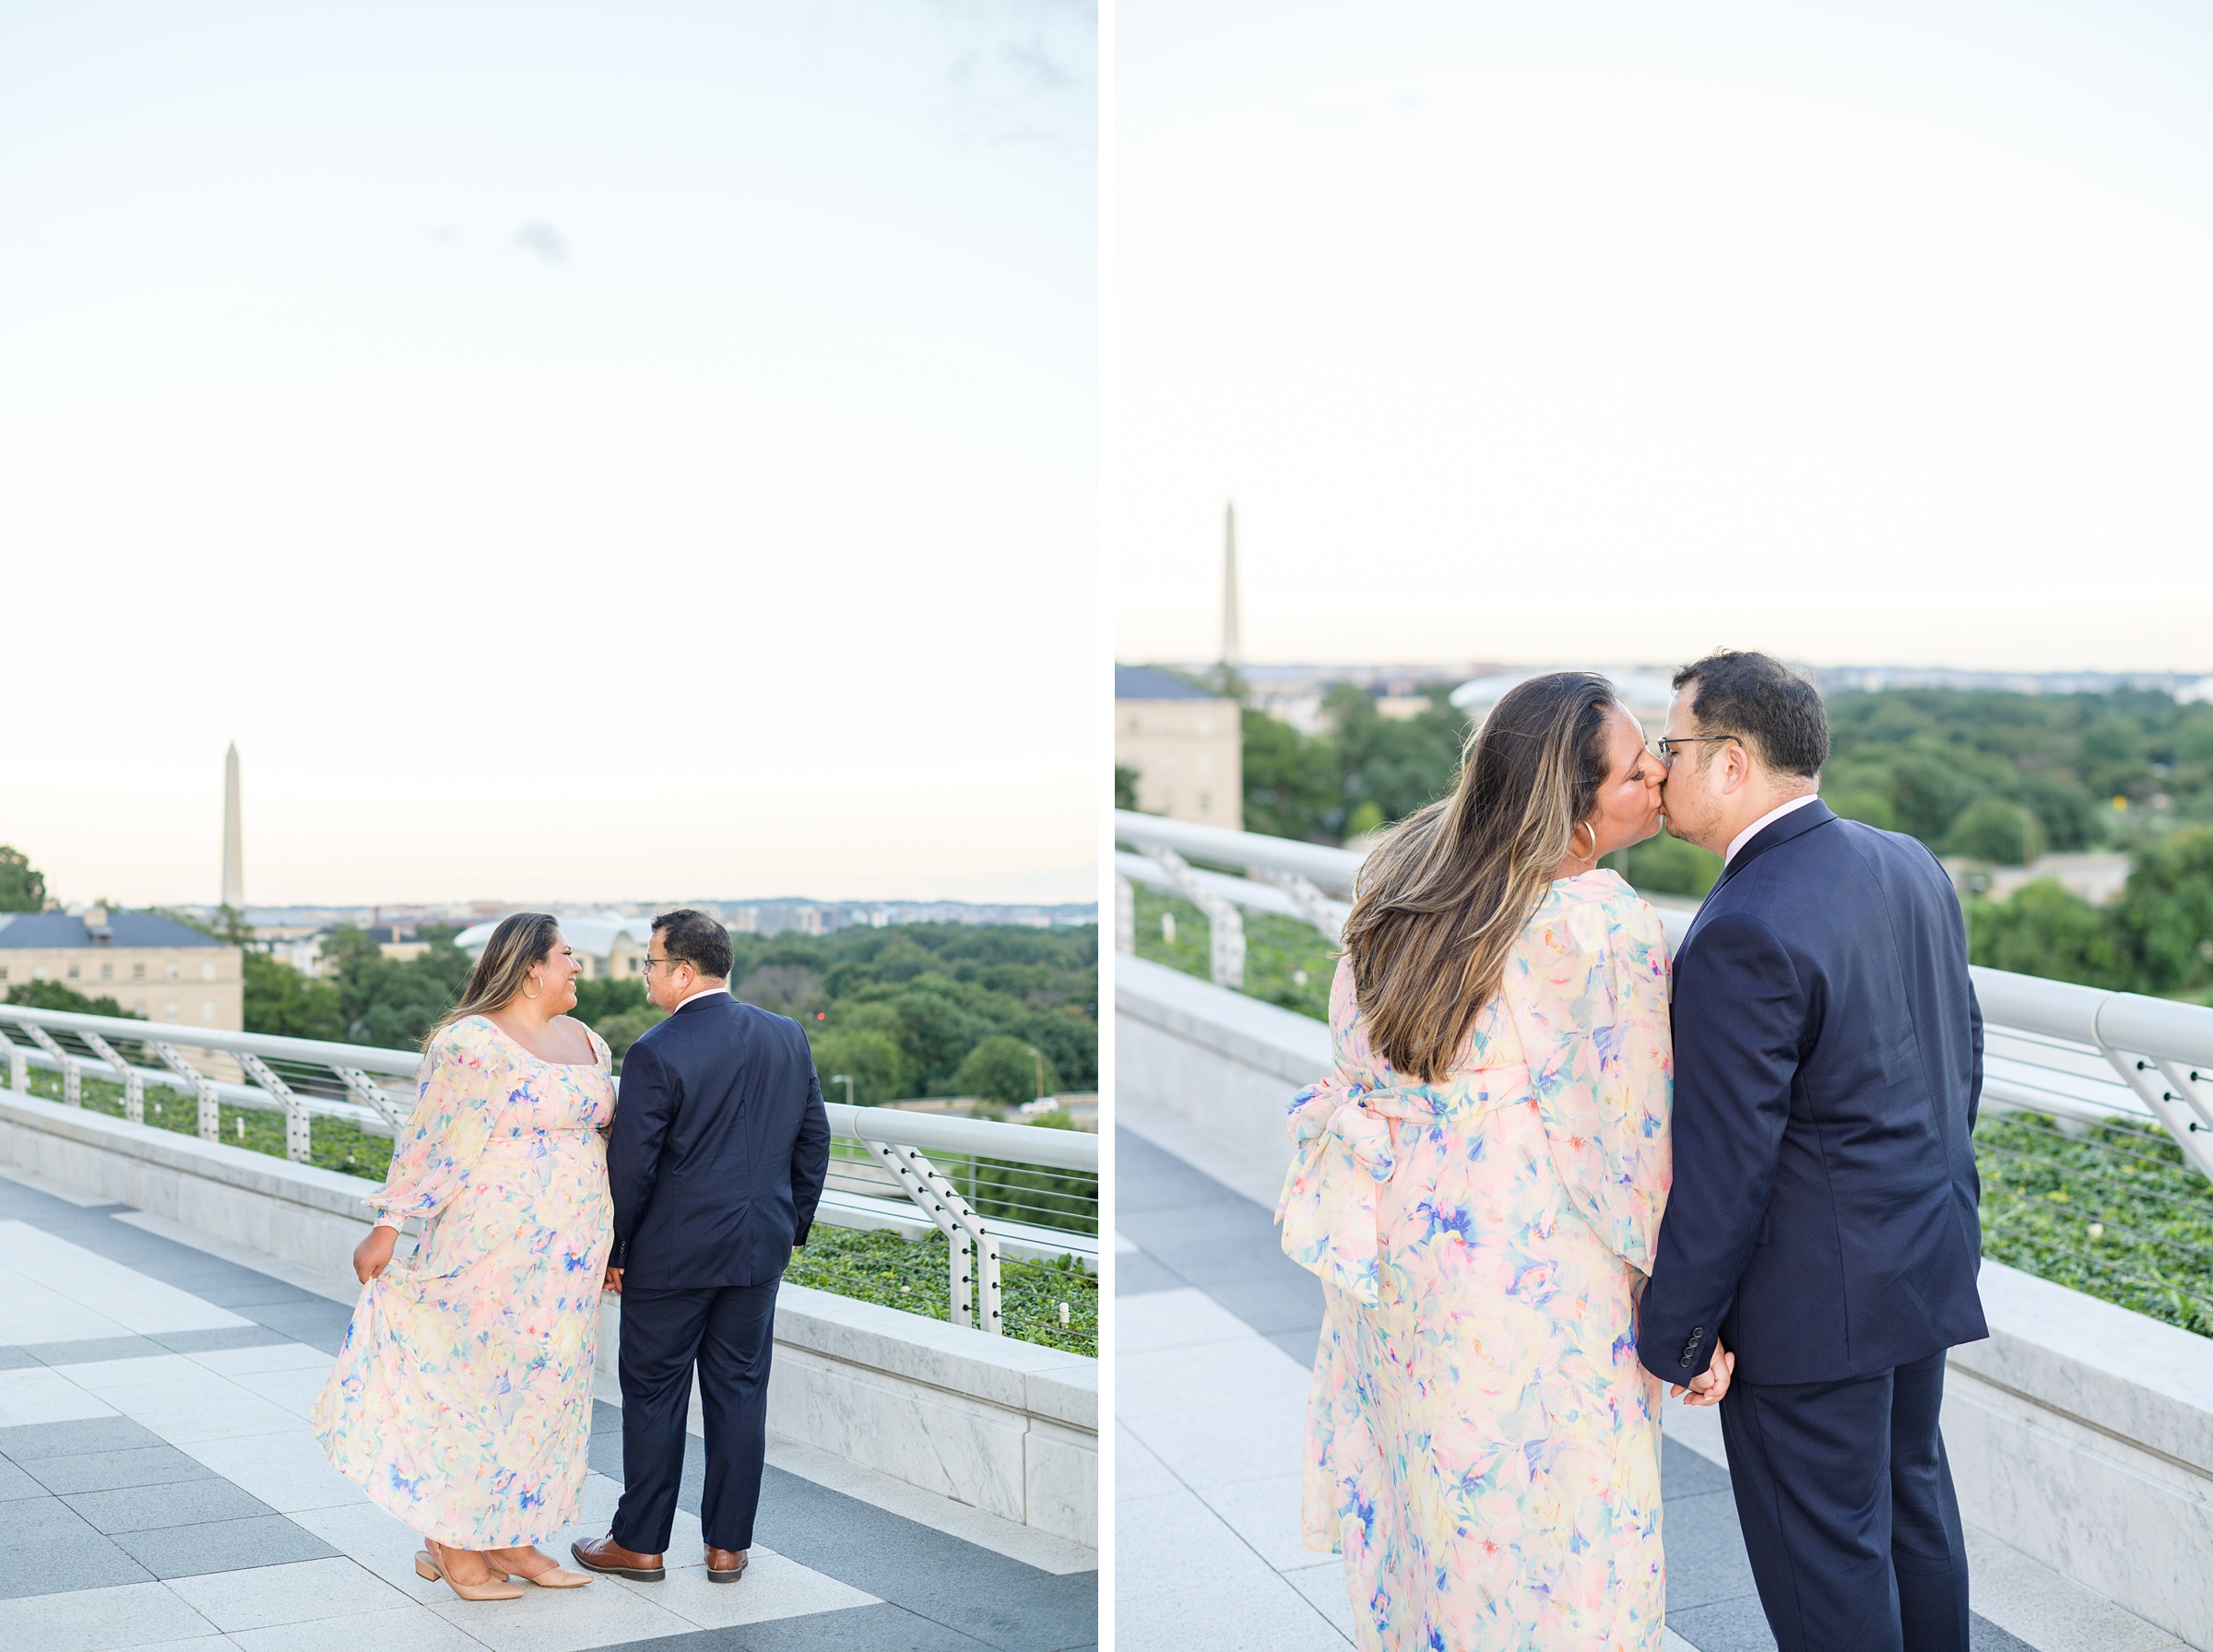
(1441, 901)
(522, 941)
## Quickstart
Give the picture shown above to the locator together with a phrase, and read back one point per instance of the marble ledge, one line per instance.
(2125, 1372)
(956, 1359)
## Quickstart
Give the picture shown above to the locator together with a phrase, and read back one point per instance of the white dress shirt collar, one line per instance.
(1753, 831)
(702, 993)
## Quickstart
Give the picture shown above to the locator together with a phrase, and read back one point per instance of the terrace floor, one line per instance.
(1215, 1331)
(159, 1485)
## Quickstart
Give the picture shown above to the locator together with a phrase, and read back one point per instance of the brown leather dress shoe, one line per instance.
(724, 1566)
(604, 1555)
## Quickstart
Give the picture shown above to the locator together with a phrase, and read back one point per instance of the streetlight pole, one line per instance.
(1039, 1060)
(847, 1081)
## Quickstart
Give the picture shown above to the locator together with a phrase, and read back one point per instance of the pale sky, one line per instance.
(576, 452)
(1875, 332)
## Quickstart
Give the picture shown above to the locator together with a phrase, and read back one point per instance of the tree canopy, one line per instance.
(22, 888)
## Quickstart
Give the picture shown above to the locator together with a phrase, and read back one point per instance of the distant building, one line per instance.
(2099, 878)
(1186, 746)
(152, 965)
(1645, 692)
(609, 944)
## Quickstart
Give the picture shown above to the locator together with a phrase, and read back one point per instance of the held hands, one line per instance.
(614, 1280)
(1708, 1387)
(374, 1253)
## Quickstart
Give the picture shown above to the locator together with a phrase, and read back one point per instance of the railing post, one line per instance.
(372, 1095)
(73, 1076)
(974, 1247)
(18, 1070)
(298, 1142)
(133, 1083)
(1125, 915)
(1225, 925)
(1314, 906)
(211, 1109)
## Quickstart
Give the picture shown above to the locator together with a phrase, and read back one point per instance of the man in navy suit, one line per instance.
(716, 1159)
(1822, 1224)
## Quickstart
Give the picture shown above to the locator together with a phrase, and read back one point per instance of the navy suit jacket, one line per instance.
(719, 1147)
(1828, 1063)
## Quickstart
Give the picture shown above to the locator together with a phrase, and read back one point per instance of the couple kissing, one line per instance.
(1556, 1172)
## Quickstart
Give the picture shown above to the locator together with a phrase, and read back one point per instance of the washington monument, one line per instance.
(1232, 645)
(234, 855)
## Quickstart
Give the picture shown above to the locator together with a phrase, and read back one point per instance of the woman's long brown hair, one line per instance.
(1440, 903)
(522, 939)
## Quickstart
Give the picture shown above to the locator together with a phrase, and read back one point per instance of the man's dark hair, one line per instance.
(1764, 704)
(697, 938)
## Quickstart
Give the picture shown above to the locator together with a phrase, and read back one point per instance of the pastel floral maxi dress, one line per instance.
(462, 1397)
(1481, 1444)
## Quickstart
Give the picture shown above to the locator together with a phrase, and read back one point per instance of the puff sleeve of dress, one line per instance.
(464, 1081)
(1587, 986)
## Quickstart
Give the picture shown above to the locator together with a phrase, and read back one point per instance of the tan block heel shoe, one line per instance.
(430, 1569)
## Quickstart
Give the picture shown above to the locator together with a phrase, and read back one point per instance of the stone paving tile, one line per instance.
(107, 1470)
(90, 1348)
(17, 1482)
(35, 1395)
(28, 1519)
(55, 1564)
(562, 1619)
(401, 1629)
(149, 1508)
(1735, 1626)
(101, 1620)
(221, 1546)
(218, 1341)
(74, 1438)
(287, 1471)
(260, 1596)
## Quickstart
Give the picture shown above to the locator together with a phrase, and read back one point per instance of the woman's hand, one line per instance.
(371, 1255)
(1709, 1388)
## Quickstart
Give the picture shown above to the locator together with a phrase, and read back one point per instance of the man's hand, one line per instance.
(614, 1280)
(1707, 1387)
(373, 1255)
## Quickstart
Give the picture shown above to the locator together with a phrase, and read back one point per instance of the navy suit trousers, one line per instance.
(1848, 1510)
(728, 1332)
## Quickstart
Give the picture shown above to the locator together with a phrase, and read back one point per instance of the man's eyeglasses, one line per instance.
(646, 964)
(1667, 748)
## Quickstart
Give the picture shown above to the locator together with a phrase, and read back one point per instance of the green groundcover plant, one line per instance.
(882, 1267)
(2112, 1211)
(878, 1266)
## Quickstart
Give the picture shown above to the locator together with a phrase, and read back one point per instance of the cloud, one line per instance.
(544, 242)
(1023, 70)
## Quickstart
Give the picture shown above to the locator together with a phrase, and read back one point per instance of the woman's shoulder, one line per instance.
(467, 1038)
(1595, 909)
(601, 1056)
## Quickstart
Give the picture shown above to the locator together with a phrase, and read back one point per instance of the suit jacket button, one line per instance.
(1690, 1349)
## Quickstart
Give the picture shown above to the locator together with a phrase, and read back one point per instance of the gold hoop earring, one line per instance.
(1585, 826)
(528, 994)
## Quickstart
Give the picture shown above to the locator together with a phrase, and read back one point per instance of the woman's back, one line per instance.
(1483, 1444)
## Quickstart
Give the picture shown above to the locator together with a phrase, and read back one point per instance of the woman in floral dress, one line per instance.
(1479, 1186)
(462, 1398)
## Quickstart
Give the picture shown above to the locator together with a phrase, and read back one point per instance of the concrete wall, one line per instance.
(1002, 1424)
(2080, 1432)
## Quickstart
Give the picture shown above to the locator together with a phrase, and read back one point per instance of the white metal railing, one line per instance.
(881, 1185)
(2073, 1052)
